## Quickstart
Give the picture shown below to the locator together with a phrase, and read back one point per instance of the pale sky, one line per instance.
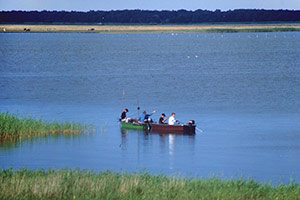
(86, 5)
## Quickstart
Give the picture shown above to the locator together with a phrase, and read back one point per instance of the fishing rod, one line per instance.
(123, 100)
(138, 107)
(180, 122)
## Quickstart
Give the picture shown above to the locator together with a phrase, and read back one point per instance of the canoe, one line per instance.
(132, 125)
(175, 129)
(161, 128)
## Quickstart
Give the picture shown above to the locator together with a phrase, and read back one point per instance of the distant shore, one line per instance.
(223, 28)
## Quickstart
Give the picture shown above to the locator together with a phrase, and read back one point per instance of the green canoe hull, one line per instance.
(133, 126)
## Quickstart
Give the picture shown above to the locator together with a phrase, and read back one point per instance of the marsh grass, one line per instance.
(75, 184)
(13, 128)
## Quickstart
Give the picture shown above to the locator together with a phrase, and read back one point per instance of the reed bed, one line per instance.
(13, 128)
(75, 184)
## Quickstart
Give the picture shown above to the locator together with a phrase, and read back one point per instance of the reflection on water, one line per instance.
(171, 150)
(171, 144)
(43, 139)
(166, 143)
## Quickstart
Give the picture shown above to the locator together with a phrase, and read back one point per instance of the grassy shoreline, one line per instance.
(149, 28)
(14, 128)
(75, 184)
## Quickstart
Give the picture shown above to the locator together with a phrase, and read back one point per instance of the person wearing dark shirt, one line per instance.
(123, 115)
(162, 119)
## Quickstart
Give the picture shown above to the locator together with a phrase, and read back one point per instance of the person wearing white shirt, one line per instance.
(172, 119)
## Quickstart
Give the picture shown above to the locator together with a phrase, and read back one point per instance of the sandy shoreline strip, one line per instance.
(149, 28)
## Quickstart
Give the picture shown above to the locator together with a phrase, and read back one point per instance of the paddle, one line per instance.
(199, 129)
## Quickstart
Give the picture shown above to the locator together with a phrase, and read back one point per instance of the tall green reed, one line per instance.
(75, 184)
(13, 128)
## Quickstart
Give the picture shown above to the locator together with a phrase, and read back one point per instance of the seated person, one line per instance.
(123, 115)
(162, 119)
(172, 119)
(145, 116)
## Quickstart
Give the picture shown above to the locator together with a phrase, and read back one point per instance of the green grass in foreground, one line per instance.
(13, 128)
(74, 184)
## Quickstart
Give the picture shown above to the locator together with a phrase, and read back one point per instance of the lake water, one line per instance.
(242, 89)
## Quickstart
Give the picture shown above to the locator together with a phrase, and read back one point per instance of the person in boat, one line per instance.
(162, 119)
(123, 115)
(172, 119)
(144, 117)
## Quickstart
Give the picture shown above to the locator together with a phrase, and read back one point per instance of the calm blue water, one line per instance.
(242, 89)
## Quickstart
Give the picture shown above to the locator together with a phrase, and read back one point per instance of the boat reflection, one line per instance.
(147, 144)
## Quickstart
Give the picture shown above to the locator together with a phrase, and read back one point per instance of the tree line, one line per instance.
(150, 17)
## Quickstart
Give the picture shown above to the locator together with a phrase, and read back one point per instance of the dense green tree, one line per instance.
(149, 17)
